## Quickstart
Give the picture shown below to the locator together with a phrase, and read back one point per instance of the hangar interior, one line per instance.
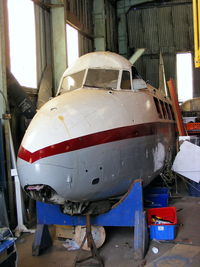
(39, 40)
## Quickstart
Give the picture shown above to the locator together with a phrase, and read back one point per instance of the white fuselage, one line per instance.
(60, 151)
(90, 143)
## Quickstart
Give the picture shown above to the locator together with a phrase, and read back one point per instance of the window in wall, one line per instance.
(184, 76)
(22, 42)
(72, 44)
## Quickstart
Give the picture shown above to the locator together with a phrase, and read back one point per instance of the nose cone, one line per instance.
(52, 172)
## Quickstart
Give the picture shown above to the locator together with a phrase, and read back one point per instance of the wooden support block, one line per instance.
(65, 231)
(98, 234)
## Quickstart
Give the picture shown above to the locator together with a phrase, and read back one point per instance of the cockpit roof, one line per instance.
(102, 60)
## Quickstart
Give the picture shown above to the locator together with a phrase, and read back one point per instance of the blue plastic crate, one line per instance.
(163, 232)
(194, 189)
(156, 197)
(5, 245)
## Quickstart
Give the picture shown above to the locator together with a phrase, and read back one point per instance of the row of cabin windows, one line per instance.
(164, 109)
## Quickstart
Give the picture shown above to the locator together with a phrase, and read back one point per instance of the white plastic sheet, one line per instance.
(187, 161)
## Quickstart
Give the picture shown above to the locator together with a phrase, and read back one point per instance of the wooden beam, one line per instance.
(176, 108)
(46, 6)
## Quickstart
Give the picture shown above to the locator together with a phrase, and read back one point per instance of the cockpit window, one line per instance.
(102, 78)
(72, 82)
(126, 81)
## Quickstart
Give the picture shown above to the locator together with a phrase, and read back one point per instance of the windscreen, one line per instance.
(102, 78)
(72, 82)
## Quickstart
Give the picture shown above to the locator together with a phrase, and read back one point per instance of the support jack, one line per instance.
(127, 212)
(91, 244)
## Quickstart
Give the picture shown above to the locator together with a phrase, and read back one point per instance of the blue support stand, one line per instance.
(127, 212)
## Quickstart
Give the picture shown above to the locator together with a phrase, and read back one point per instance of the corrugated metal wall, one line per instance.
(166, 27)
(111, 26)
(79, 15)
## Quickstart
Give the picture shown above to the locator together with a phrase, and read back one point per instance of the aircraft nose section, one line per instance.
(46, 180)
(48, 156)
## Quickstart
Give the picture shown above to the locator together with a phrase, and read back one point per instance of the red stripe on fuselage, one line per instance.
(94, 139)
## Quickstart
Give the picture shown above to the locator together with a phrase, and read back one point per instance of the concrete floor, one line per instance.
(118, 248)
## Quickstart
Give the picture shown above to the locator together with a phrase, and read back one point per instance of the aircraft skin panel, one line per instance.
(86, 111)
(116, 164)
(101, 60)
(108, 136)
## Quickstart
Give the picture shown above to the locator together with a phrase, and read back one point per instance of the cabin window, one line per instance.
(102, 78)
(163, 109)
(172, 112)
(157, 104)
(126, 81)
(72, 82)
(167, 110)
